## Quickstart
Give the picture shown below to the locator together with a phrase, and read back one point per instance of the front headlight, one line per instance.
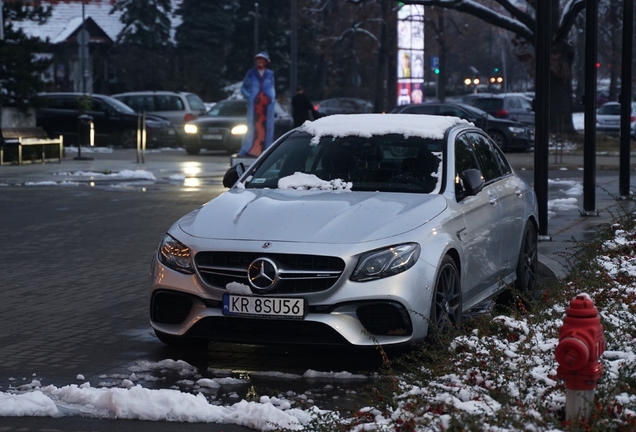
(176, 255)
(239, 129)
(516, 130)
(386, 262)
(190, 128)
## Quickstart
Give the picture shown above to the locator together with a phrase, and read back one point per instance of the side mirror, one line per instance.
(473, 181)
(233, 174)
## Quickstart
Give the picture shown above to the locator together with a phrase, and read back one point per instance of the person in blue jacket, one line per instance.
(259, 90)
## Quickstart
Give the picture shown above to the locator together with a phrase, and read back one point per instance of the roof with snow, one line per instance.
(66, 19)
(367, 125)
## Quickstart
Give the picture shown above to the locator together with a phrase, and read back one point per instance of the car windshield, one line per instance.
(119, 106)
(612, 109)
(384, 163)
(228, 109)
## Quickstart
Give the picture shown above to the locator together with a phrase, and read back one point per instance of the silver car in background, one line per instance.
(608, 119)
(351, 230)
(178, 107)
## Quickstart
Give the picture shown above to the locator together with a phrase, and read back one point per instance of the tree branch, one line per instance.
(570, 12)
(485, 14)
(524, 17)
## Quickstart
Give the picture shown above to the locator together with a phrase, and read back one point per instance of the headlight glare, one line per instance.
(239, 129)
(386, 262)
(175, 255)
(190, 128)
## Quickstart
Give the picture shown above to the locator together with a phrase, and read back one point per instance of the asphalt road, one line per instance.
(74, 300)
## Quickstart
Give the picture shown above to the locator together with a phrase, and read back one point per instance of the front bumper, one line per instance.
(390, 311)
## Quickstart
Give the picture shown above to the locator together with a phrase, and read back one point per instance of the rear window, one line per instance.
(196, 104)
(610, 110)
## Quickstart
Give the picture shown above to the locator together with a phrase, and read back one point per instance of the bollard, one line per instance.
(581, 344)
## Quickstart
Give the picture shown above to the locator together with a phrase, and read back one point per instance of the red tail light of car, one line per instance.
(189, 117)
(502, 113)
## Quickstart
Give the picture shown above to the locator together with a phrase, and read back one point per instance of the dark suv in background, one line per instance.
(511, 106)
(507, 134)
(115, 123)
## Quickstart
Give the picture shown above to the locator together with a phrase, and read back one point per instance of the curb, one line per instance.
(550, 268)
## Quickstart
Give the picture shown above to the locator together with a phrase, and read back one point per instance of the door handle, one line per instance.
(518, 192)
(493, 200)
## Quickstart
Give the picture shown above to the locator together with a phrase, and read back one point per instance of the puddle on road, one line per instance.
(329, 378)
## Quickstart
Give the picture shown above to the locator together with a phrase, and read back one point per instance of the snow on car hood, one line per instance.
(310, 216)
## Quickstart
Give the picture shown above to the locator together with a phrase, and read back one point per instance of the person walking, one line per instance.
(259, 90)
(302, 108)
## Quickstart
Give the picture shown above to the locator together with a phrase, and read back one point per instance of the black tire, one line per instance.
(499, 139)
(193, 151)
(446, 305)
(128, 138)
(179, 341)
(527, 265)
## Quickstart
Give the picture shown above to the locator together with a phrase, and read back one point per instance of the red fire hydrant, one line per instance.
(581, 344)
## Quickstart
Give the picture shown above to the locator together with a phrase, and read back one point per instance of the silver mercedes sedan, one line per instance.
(351, 230)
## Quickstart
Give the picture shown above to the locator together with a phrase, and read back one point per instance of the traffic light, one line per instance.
(436, 71)
(496, 70)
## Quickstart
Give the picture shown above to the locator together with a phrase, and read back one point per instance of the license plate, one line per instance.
(212, 137)
(276, 307)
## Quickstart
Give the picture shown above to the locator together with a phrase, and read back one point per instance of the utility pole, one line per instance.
(589, 140)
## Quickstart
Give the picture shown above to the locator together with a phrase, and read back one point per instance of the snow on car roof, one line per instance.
(367, 125)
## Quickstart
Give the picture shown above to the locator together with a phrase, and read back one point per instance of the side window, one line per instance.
(525, 104)
(97, 106)
(465, 158)
(421, 109)
(169, 103)
(196, 104)
(451, 111)
(65, 103)
(491, 168)
(514, 103)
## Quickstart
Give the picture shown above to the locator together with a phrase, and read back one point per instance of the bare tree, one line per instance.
(519, 18)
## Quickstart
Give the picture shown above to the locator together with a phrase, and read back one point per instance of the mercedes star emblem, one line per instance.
(262, 274)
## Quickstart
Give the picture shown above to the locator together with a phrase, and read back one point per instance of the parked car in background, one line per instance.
(225, 125)
(511, 106)
(343, 106)
(507, 134)
(352, 230)
(178, 107)
(608, 119)
(115, 124)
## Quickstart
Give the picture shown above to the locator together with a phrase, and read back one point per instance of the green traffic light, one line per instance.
(496, 69)
(436, 71)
